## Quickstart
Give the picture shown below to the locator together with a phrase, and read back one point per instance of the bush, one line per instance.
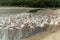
(34, 3)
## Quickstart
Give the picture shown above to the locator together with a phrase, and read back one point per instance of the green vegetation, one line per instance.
(32, 3)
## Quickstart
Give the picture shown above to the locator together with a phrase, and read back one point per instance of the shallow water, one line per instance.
(14, 33)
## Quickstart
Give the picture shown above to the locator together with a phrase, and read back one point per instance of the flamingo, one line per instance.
(42, 25)
(22, 25)
(56, 22)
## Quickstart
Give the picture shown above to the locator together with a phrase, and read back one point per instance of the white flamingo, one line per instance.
(56, 22)
(42, 24)
(22, 25)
